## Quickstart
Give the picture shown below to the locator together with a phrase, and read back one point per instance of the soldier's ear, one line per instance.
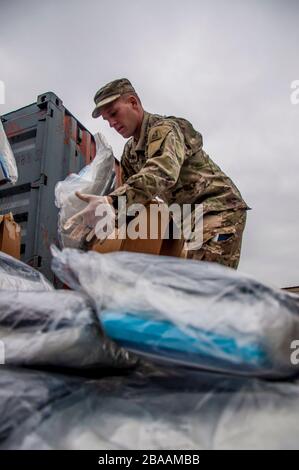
(133, 101)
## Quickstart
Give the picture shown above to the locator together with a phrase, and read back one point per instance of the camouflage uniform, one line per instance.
(227, 250)
(168, 161)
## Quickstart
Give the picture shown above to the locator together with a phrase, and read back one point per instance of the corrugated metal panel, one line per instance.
(48, 144)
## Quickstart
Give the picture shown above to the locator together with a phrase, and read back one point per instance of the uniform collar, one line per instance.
(141, 144)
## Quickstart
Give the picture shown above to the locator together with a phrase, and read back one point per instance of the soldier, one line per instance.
(164, 157)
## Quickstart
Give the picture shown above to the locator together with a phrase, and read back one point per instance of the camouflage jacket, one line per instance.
(168, 161)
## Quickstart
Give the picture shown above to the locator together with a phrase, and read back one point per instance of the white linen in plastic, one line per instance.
(18, 276)
(195, 313)
(96, 178)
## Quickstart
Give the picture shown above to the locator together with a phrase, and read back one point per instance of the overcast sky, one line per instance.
(225, 66)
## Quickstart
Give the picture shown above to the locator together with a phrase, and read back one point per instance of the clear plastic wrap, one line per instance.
(199, 314)
(151, 409)
(96, 178)
(18, 276)
(8, 166)
(57, 329)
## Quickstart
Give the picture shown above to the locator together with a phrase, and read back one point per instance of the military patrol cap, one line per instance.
(111, 92)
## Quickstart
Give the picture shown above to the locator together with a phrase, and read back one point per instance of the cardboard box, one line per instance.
(294, 290)
(150, 245)
(10, 236)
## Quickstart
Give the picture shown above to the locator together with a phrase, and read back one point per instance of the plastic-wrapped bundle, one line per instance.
(152, 409)
(199, 314)
(56, 328)
(16, 275)
(8, 167)
(96, 178)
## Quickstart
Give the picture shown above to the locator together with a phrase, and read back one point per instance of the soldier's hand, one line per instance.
(84, 222)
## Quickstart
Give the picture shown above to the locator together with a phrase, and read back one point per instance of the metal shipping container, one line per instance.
(48, 144)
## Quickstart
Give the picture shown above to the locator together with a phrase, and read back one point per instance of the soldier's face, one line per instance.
(122, 115)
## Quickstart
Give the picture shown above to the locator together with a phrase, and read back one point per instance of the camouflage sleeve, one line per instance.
(166, 152)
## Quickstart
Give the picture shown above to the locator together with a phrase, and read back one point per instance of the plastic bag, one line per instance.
(8, 166)
(18, 276)
(152, 409)
(96, 178)
(58, 329)
(183, 311)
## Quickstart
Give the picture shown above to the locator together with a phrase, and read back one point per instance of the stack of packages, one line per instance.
(177, 311)
(125, 306)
